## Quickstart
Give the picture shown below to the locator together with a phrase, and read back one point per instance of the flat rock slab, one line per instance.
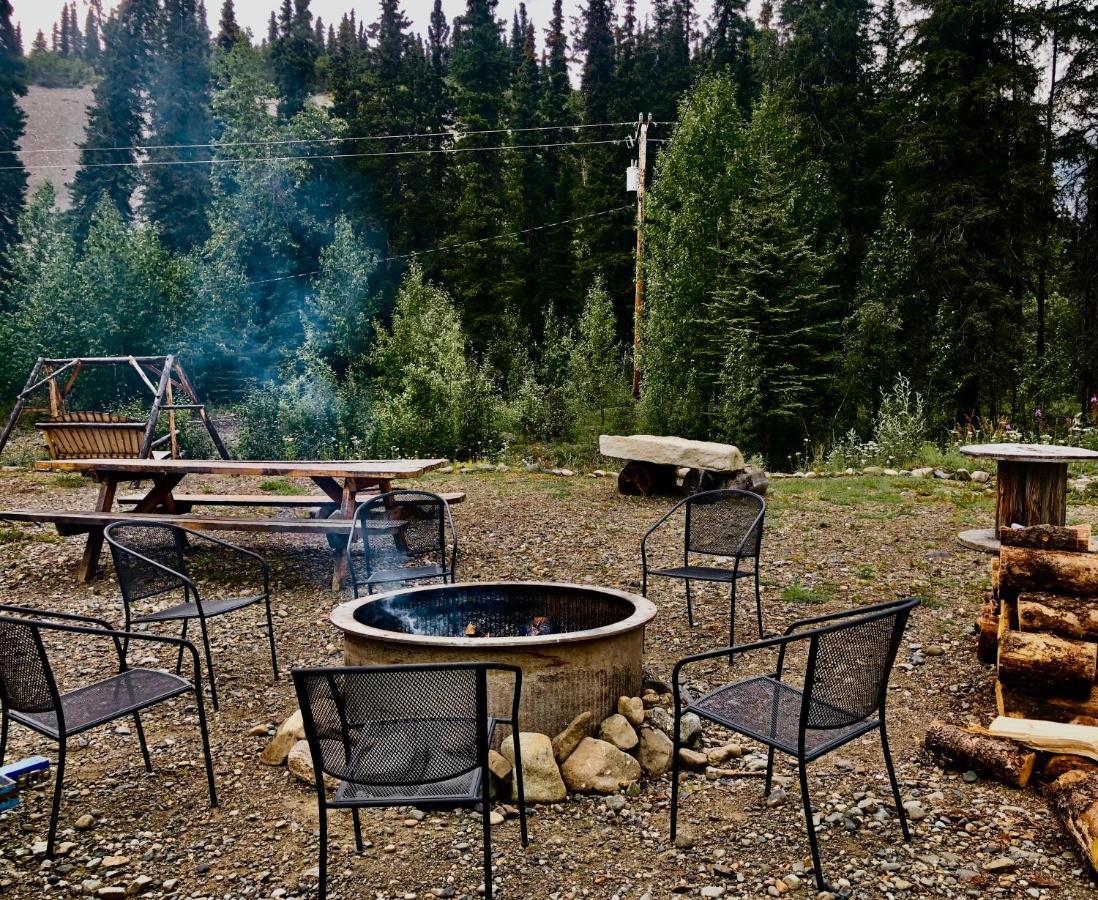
(672, 451)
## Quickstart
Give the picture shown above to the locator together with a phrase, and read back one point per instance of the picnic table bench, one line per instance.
(341, 482)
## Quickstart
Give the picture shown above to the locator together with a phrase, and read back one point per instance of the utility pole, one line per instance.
(638, 299)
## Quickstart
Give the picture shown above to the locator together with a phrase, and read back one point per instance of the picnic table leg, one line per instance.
(160, 495)
(346, 496)
(89, 562)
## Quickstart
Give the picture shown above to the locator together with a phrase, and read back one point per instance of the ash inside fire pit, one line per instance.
(579, 646)
(495, 611)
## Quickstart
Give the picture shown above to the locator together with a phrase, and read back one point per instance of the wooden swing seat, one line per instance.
(92, 435)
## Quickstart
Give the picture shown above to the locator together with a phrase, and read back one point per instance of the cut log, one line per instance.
(1051, 571)
(1020, 705)
(993, 574)
(1059, 763)
(1073, 617)
(1071, 538)
(1003, 760)
(1074, 797)
(1045, 663)
(1029, 493)
(1052, 737)
(987, 632)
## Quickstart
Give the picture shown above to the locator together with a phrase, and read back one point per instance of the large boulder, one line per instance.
(617, 731)
(541, 781)
(289, 733)
(567, 741)
(656, 752)
(599, 767)
(672, 451)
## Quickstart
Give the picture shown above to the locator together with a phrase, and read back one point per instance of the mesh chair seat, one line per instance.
(106, 700)
(405, 573)
(770, 712)
(190, 610)
(705, 573)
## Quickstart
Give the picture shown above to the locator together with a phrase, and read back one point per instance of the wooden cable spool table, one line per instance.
(1030, 487)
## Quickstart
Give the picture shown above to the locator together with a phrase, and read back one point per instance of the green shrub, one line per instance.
(899, 429)
(296, 418)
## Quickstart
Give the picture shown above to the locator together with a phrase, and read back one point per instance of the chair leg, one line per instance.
(895, 784)
(3, 736)
(322, 888)
(271, 638)
(179, 656)
(821, 885)
(675, 782)
(769, 771)
(689, 604)
(486, 812)
(57, 787)
(521, 793)
(200, 703)
(209, 662)
(758, 600)
(358, 829)
(142, 742)
(732, 620)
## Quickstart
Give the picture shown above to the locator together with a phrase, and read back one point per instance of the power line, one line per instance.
(214, 161)
(457, 133)
(445, 248)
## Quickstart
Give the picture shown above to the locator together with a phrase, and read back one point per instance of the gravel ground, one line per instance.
(829, 544)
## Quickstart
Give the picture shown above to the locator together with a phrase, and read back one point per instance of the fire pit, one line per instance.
(579, 646)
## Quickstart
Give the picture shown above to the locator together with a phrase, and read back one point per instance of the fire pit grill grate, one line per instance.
(498, 611)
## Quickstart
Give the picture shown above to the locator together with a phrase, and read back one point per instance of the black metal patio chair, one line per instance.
(30, 696)
(403, 736)
(724, 523)
(848, 663)
(404, 538)
(151, 566)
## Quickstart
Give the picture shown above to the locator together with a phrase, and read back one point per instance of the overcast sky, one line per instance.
(35, 14)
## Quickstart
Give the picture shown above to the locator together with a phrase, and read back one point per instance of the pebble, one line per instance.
(85, 822)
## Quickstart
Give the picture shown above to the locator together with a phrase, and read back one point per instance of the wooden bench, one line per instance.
(288, 501)
(74, 522)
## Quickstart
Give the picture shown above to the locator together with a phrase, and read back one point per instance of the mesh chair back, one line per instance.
(393, 726)
(402, 527)
(718, 522)
(849, 665)
(26, 680)
(135, 546)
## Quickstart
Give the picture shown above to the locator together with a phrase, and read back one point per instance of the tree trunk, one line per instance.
(1054, 571)
(1003, 760)
(1072, 617)
(1019, 705)
(1030, 494)
(1044, 663)
(1074, 797)
(1072, 538)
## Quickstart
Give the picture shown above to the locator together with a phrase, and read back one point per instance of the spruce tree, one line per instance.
(228, 32)
(293, 57)
(76, 39)
(91, 38)
(176, 197)
(727, 46)
(479, 78)
(116, 117)
(64, 43)
(13, 177)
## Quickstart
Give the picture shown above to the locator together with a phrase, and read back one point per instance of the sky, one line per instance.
(35, 14)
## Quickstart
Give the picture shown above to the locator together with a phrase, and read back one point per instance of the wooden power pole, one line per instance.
(638, 299)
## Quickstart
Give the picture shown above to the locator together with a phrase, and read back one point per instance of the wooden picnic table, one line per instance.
(340, 481)
(1030, 486)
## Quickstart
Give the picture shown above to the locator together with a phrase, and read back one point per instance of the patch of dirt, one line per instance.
(56, 118)
(827, 546)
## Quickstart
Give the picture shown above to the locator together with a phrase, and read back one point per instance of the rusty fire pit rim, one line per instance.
(343, 617)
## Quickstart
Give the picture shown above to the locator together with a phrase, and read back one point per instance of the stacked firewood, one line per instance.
(1039, 627)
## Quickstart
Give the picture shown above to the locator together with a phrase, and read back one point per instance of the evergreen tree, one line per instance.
(76, 39)
(91, 38)
(272, 31)
(478, 78)
(229, 32)
(596, 366)
(176, 197)
(38, 45)
(727, 46)
(293, 57)
(13, 177)
(64, 43)
(974, 197)
(116, 117)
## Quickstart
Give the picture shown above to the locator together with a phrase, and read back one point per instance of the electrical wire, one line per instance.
(443, 249)
(456, 133)
(213, 161)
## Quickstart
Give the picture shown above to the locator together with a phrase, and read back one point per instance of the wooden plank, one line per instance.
(93, 520)
(1032, 453)
(374, 469)
(1052, 737)
(288, 501)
